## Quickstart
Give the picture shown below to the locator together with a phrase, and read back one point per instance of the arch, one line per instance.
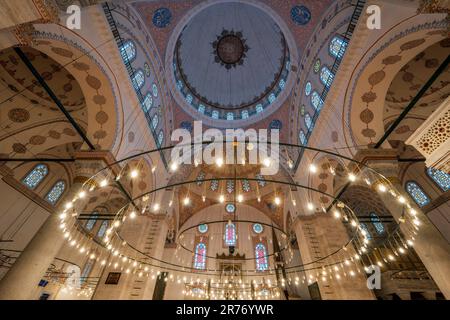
(262, 262)
(230, 234)
(35, 176)
(416, 192)
(128, 50)
(200, 256)
(337, 47)
(439, 177)
(56, 192)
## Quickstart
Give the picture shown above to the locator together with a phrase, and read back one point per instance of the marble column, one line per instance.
(431, 247)
(22, 279)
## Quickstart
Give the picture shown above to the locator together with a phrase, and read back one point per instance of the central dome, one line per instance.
(231, 61)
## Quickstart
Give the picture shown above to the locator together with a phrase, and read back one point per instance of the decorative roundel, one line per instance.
(308, 88)
(300, 15)
(203, 228)
(147, 69)
(230, 208)
(258, 228)
(162, 18)
(317, 66)
(275, 124)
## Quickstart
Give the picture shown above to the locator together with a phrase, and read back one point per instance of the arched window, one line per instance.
(337, 47)
(128, 50)
(245, 185)
(148, 102)
(200, 256)
(366, 230)
(230, 234)
(102, 230)
(316, 100)
(91, 222)
(56, 192)
(261, 180)
(376, 222)
(160, 138)
(155, 90)
(441, 178)
(155, 121)
(214, 186)
(35, 176)
(86, 271)
(139, 79)
(230, 186)
(262, 263)
(302, 137)
(308, 88)
(308, 121)
(326, 76)
(417, 194)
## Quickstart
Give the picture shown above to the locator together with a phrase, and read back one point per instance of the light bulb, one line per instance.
(82, 194)
(69, 205)
(222, 198)
(240, 198)
(174, 166)
(117, 224)
(277, 201)
(382, 188)
(310, 206)
(134, 173)
(352, 177)
(313, 168)
(186, 201)
(401, 199)
(219, 162)
(103, 183)
(266, 162)
(133, 214)
(337, 214)
(156, 207)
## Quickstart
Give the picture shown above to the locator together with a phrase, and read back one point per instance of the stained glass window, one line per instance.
(259, 108)
(230, 186)
(35, 176)
(282, 84)
(214, 185)
(262, 263)
(128, 51)
(86, 271)
(215, 114)
(364, 227)
(200, 256)
(201, 108)
(148, 102)
(441, 178)
(245, 185)
(230, 116)
(155, 90)
(258, 228)
(102, 230)
(326, 76)
(203, 228)
(376, 222)
(155, 120)
(244, 114)
(160, 138)
(55, 192)
(91, 222)
(230, 234)
(316, 100)
(272, 97)
(139, 79)
(302, 110)
(308, 88)
(189, 98)
(302, 137)
(337, 47)
(317, 66)
(416, 192)
(308, 121)
(230, 208)
(261, 180)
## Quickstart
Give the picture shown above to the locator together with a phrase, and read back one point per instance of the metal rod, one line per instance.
(52, 95)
